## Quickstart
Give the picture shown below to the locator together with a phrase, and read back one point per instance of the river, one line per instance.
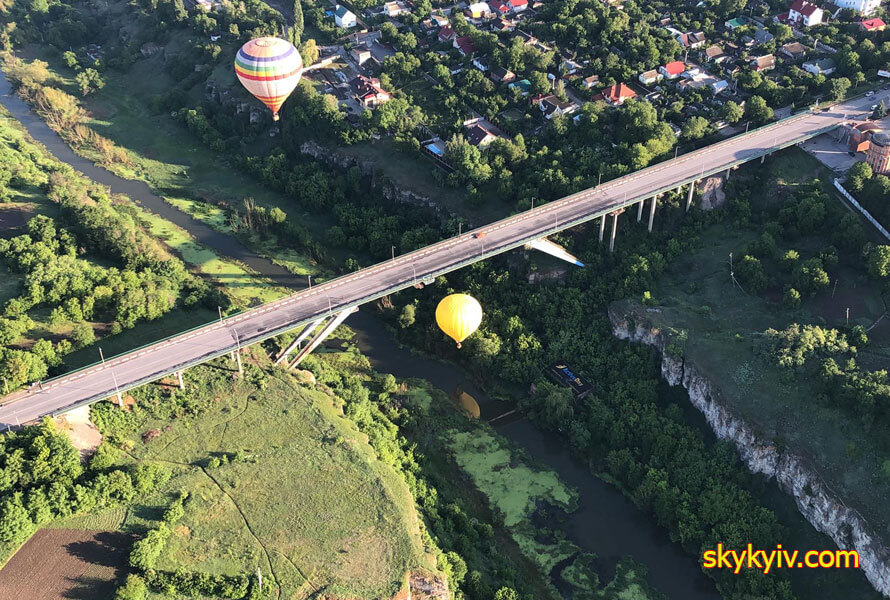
(606, 523)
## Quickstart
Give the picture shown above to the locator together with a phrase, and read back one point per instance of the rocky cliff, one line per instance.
(823, 508)
(368, 168)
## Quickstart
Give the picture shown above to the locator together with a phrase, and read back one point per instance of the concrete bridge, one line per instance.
(328, 304)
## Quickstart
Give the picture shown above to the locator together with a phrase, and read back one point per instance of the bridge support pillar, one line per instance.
(238, 360)
(614, 230)
(652, 211)
(762, 159)
(120, 399)
(295, 344)
(728, 171)
(640, 210)
(602, 228)
(181, 382)
(689, 195)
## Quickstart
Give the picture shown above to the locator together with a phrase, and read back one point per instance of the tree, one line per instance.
(879, 262)
(82, 335)
(298, 26)
(70, 59)
(89, 81)
(407, 317)
(837, 88)
(695, 128)
(309, 51)
(757, 110)
(791, 299)
(732, 112)
(506, 593)
(858, 174)
(133, 589)
(750, 272)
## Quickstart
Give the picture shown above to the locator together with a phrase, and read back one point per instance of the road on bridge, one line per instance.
(193, 347)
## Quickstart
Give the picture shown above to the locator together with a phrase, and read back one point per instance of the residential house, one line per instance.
(395, 9)
(361, 54)
(589, 82)
(869, 25)
(344, 17)
(523, 85)
(649, 77)
(479, 136)
(481, 63)
(823, 66)
(672, 70)
(804, 14)
(865, 7)
(691, 40)
(478, 10)
(464, 45)
(764, 63)
(793, 51)
(736, 23)
(517, 6)
(617, 94)
(569, 66)
(501, 8)
(501, 25)
(762, 36)
(446, 34)
(552, 106)
(439, 20)
(526, 38)
(715, 54)
(502, 75)
(367, 91)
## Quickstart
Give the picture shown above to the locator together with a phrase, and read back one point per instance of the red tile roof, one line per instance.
(675, 68)
(804, 7)
(618, 92)
(872, 24)
(465, 44)
(518, 3)
(446, 33)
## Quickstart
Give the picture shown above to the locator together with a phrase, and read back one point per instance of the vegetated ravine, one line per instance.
(606, 523)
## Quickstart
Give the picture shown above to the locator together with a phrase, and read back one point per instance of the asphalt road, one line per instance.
(196, 346)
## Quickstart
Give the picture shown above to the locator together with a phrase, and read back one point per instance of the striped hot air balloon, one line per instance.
(270, 69)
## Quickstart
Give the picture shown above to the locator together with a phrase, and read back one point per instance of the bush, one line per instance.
(133, 589)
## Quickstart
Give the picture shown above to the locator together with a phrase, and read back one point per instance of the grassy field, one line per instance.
(720, 327)
(308, 502)
(162, 152)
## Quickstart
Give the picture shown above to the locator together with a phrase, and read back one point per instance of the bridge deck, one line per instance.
(216, 339)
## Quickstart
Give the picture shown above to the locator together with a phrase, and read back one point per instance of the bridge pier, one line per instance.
(303, 335)
(652, 211)
(236, 356)
(602, 227)
(762, 159)
(640, 210)
(181, 382)
(614, 229)
(728, 171)
(689, 195)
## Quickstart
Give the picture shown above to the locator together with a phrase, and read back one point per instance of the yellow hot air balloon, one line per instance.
(270, 69)
(459, 315)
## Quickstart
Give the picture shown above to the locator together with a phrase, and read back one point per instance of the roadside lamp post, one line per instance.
(219, 310)
(393, 253)
(309, 277)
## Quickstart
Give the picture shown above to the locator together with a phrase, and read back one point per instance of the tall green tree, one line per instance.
(299, 25)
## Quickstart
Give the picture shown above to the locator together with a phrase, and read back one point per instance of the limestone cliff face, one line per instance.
(824, 509)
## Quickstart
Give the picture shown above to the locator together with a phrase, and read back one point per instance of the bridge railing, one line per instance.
(549, 206)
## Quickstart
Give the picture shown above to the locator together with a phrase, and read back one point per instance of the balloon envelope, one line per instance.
(270, 69)
(458, 315)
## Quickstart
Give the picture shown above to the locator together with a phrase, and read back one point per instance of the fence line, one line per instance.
(861, 209)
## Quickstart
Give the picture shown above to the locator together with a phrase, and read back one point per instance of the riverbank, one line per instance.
(626, 522)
